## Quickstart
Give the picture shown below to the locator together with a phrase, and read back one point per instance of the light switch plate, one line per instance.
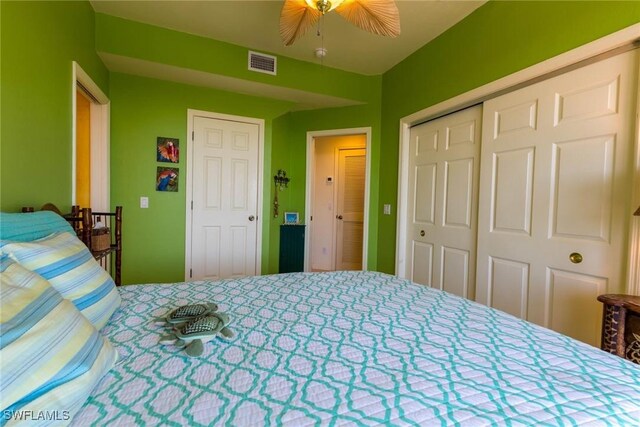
(387, 209)
(144, 202)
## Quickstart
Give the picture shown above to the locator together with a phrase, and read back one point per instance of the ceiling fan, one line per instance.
(376, 16)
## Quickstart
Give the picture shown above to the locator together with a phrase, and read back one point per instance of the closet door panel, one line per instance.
(582, 182)
(422, 263)
(443, 188)
(509, 286)
(555, 186)
(516, 118)
(512, 191)
(458, 193)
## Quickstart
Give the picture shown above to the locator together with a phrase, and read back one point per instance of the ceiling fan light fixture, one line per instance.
(324, 6)
(379, 17)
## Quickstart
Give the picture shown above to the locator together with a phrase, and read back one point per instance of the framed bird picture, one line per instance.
(168, 149)
(167, 179)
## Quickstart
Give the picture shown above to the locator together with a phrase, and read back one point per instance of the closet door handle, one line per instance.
(251, 217)
(339, 216)
(575, 258)
(422, 233)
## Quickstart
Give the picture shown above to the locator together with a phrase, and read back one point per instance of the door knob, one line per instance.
(575, 258)
(339, 216)
(422, 233)
(251, 217)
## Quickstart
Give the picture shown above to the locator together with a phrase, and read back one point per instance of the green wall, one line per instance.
(38, 42)
(281, 158)
(141, 110)
(44, 37)
(119, 36)
(496, 40)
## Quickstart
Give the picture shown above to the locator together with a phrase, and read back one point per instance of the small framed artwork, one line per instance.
(168, 149)
(167, 179)
(291, 218)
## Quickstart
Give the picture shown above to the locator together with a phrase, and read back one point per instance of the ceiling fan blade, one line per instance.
(376, 16)
(295, 19)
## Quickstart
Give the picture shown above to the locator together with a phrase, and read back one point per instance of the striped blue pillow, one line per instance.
(67, 264)
(52, 357)
(24, 227)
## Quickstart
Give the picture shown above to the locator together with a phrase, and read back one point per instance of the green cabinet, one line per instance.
(291, 248)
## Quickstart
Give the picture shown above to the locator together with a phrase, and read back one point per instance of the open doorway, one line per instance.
(83, 148)
(337, 200)
(90, 165)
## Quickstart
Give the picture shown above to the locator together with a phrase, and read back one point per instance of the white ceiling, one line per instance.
(254, 24)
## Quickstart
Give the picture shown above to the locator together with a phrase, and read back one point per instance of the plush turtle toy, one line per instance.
(185, 313)
(193, 334)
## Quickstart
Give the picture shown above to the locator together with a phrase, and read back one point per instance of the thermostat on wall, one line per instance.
(329, 179)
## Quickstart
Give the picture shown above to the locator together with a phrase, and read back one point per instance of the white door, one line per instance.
(554, 203)
(443, 196)
(350, 208)
(225, 189)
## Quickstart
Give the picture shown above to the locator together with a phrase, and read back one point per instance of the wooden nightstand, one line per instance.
(621, 325)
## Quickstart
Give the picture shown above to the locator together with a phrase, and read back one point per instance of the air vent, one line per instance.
(262, 63)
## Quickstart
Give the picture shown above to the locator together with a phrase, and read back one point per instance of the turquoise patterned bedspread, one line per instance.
(353, 348)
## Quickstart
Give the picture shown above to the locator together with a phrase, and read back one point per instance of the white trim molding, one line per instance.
(310, 166)
(604, 46)
(191, 114)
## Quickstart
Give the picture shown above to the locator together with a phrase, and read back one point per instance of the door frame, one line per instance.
(308, 204)
(191, 114)
(608, 45)
(100, 139)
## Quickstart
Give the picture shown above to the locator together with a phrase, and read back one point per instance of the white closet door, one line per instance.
(555, 183)
(443, 188)
(225, 194)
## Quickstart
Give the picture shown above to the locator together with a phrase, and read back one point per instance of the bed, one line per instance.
(351, 348)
